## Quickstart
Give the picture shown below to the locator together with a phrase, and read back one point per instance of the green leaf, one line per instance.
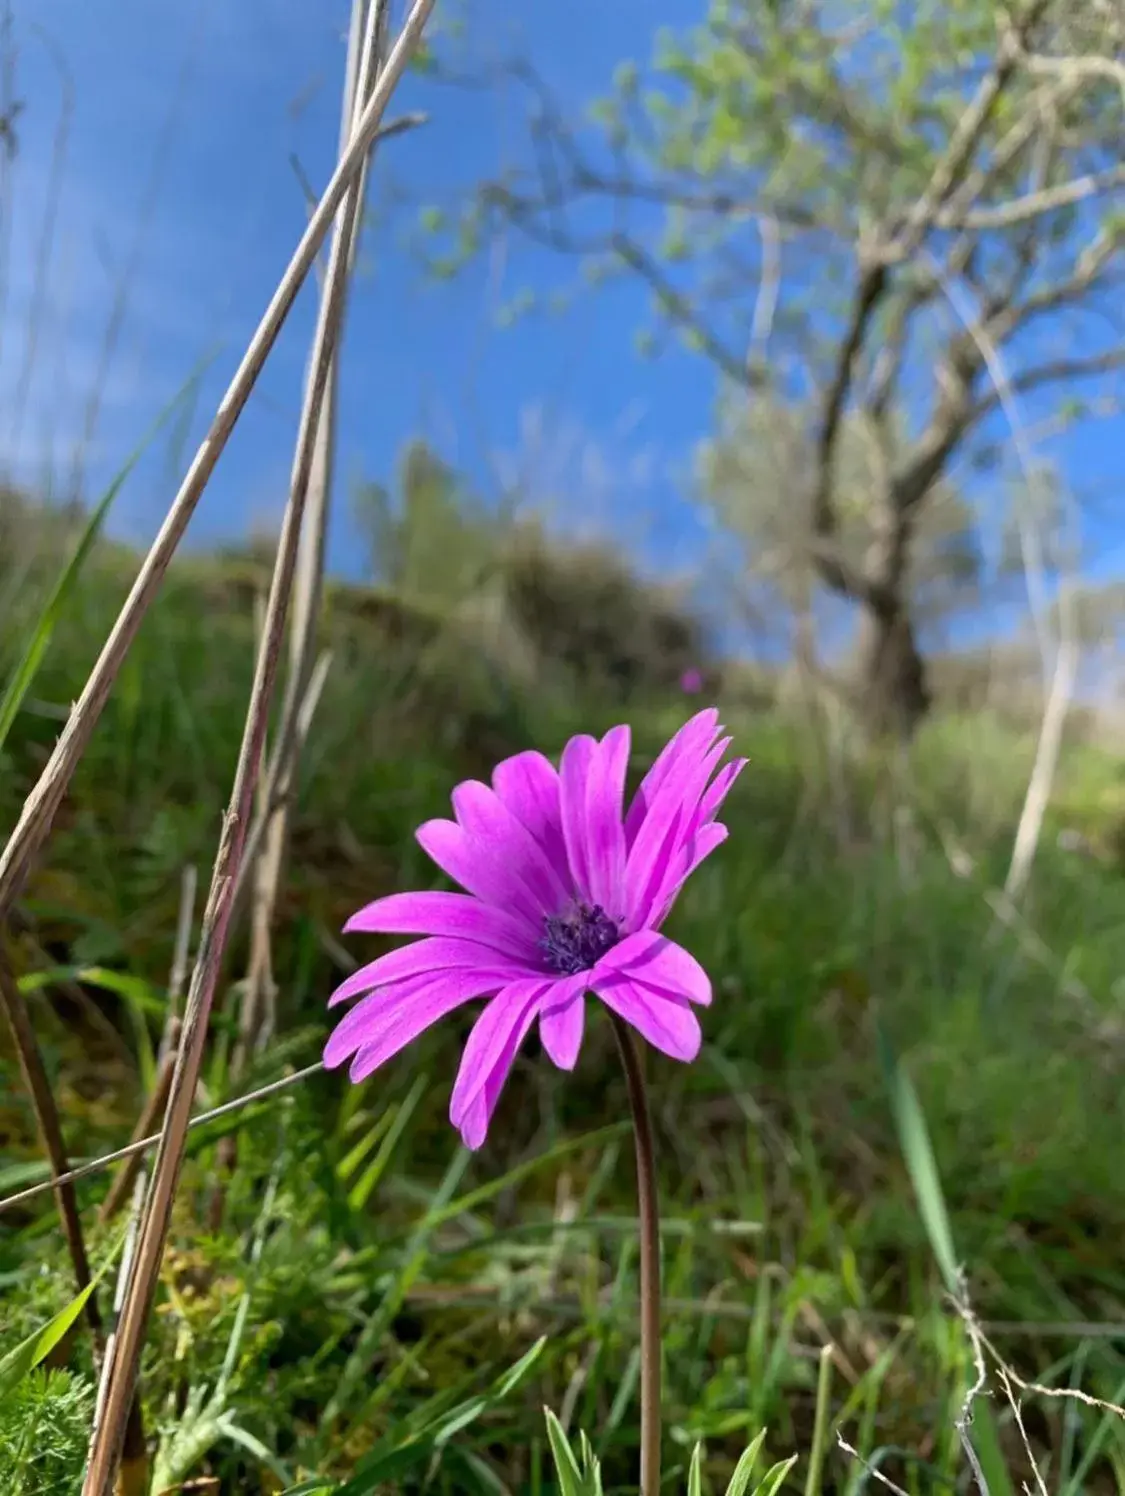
(38, 1346)
(387, 1462)
(566, 1466)
(917, 1151)
(40, 637)
(695, 1472)
(771, 1482)
(744, 1470)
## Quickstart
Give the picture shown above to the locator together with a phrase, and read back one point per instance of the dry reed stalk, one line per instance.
(133, 1475)
(43, 801)
(368, 41)
(143, 1145)
(166, 1169)
(50, 1132)
(257, 1018)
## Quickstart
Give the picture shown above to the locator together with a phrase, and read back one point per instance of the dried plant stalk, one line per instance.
(369, 38)
(50, 1131)
(143, 1145)
(42, 803)
(133, 1475)
(166, 1170)
(257, 1018)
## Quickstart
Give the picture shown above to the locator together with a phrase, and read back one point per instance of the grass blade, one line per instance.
(38, 1346)
(25, 672)
(918, 1153)
(917, 1150)
(744, 1470)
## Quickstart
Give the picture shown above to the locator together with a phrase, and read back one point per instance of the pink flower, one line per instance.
(691, 682)
(566, 893)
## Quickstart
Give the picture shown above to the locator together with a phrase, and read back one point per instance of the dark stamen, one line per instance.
(575, 941)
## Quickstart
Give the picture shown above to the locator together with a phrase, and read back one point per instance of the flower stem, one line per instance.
(648, 1220)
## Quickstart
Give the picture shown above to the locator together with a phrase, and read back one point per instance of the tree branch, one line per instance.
(1056, 371)
(679, 309)
(836, 573)
(1036, 204)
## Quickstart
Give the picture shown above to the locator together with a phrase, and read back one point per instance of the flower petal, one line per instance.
(490, 823)
(528, 784)
(480, 869)
(488, 1056)
(667, 1024)
(574, 773)
(720, 788)
(562, 1019)
(658, 963)
(687, 744)
(655, 850)
(437, 913)
(435, 953)
(701, 846)
(416, 1013)
(605, 832)
(669, 823)
(385, 1022)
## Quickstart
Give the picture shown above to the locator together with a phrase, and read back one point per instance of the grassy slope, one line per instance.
(820, 909)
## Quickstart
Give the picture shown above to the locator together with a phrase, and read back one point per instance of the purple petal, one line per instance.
(604, 831)
(478, 868)
(659, 963)
(668, 825)
(528, 784)
(687, 745)
(488, 1057)
(562, 1018)
(435, 913)
(574, 773)
(668, 1025)
(655, 850)
(436, 953)
(384, 1023)
(490, 823)
(712, 801)
(701, 845)
(413, 1016)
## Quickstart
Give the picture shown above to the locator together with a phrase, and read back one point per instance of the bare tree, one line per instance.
(815, 197)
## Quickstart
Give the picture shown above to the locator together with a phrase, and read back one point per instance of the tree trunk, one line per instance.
(894, 692)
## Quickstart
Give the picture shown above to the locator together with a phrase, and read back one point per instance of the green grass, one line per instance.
(371, 1285)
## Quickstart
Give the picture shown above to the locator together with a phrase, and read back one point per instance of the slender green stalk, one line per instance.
(648, 1229)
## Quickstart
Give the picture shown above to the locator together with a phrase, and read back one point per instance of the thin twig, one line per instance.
(871, 1469)
(1057, 705)
(50, 1131)
(169, 1040)
(143, 1145)
(153, 1110)
(42, 803)
(318, 426)
(133, 1476)
(1016, 1405)
(964, 1419)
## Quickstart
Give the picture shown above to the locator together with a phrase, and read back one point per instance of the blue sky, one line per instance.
(199, 99)
(177, 170)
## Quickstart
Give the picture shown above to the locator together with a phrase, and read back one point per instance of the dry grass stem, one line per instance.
(367, 49)
(867, 1466)
(157, 1099)
(316, 434)
(42, 803)
(47, 1121)
(216, 922)
(142, 1145)
(133, 1476)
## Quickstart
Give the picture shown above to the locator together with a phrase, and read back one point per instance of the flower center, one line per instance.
(575, 941)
